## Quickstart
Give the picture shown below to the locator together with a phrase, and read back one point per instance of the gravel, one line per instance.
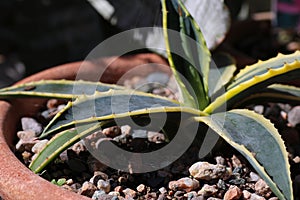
(222, 175)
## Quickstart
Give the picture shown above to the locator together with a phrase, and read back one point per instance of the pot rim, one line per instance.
(17, 181)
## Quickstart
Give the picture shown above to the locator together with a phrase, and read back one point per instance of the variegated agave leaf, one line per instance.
(59, 143)
(261, 67)
(63, 89)
(259, 142)
(110, 105)
(136, 108)
(194, 57)
(264, 78)
(274, 93)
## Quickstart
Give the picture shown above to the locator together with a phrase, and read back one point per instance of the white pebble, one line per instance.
(37, 148)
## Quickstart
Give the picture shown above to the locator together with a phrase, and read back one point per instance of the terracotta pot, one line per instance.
(16, 180)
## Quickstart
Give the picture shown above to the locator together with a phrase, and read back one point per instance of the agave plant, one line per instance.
(250, 133)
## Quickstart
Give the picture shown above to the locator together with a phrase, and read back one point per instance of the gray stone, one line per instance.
(246, 194)
(220, 160)
(125, 129)
(48, 114)
(78, 147)
(26, 145)
(103, 185)
(135, 82)
(114, 193)
(69, 181)
(162, 197)
(191, 194)
(160, 91)
(254, 177)
(156, 137)
(296, 159)
(259, 109)
(163, 190)
(129, 193)
(256, 197)
(52, 103)
(26, 135)
(76, 186)
(67, 187)
(139, 134)
(236, 162)
(87, 189)
(97, 176)
(237, 181)
(294, 116)
(64, 156)
(112, 132)
(31, 124)
(179, 194)
(100, 195)
(37, 148)
(208, 190)
(187, 184)
(233, 193)
(207, 171)
(27, 140)
(285, 107)
(262, 188)
(141, 188)
(120, 139)
(118, 189)
(26, 156)
(60, 107)
(273, 198)
(284, 115)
